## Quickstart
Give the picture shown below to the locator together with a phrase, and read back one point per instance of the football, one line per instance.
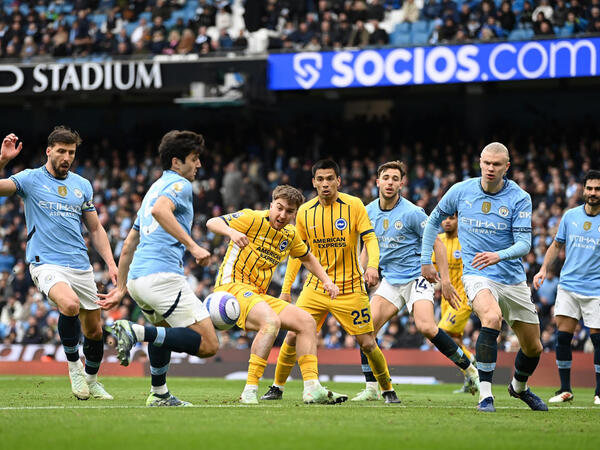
(223, 308)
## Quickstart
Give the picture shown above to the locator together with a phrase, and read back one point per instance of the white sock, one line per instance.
(281, 388)
(485, 390)
(251, 388)
(139, 331)
(471, 371)
(160, 390)
(74, 364)
(371, 385)
(518, 386)
(91, 378)
(311, 384)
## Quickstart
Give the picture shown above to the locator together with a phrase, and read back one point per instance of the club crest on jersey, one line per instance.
(77, 193)
(503, 211)
(398, 225)
(62, 191)
(457, 254)
(386, 224)
(283, 245)
(341, 224)
(587, 226)
(248, 294)
(486, 207)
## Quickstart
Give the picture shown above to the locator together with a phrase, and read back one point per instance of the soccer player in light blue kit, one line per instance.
(57, 201)
(398, 225)
(151, 269)
(494, 228)
(577, 296)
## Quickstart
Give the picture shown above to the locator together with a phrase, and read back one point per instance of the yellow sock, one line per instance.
(380, 369)
(285, 363)
(256, 368)
(467, 353)
(309, 367)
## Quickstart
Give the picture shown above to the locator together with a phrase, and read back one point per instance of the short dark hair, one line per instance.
(289, 193)
(591, 175)
(326, 164)
(64, 135)
(179, 144)
(398, 165)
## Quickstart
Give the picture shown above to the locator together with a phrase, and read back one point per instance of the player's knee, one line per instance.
(427, 328)
(209, 346)
(94, 334)
(271, 325)
(306, 324)
(368, 345)
(533, 348)
(290, 339)
(491, 319)
(70, 308)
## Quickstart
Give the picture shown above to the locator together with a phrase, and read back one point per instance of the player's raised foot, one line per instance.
(97, 391)
(367, 395)
(532, 400)
(249, 398)
(274, 393)
(486, 405)
(596, 399)
(472, 381)
(125, 340)
(390, 397)
(464, 389)
(321, 395)
(79, 385)
(167, 399)
(561, 397)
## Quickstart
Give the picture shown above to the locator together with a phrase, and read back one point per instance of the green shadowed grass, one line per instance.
(40, 413)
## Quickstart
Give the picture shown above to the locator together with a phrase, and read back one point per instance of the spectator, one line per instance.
(359, 37)
(410, 11)
(379, 36)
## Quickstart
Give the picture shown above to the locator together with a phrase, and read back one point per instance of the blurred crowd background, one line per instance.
(98, 29)
(244, 165)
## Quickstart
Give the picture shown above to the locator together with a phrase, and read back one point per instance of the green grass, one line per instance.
(40, 413)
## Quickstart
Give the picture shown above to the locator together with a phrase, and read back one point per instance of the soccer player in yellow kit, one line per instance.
(332, 224)
(453, 321)
(260, 240)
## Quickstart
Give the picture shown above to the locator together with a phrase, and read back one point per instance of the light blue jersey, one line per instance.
(499, 222)
(399, 232)
(157, 250)
(53, 213)
(581, 235)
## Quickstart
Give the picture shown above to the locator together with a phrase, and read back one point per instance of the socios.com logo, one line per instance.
(436, 65)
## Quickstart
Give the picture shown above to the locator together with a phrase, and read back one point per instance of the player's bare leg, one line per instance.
(263, 319)
(382, 310)
(526, 361)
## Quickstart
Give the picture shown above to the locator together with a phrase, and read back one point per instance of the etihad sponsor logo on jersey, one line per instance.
(390, 241)
(585, 240)
(483, 226)
(59, 207)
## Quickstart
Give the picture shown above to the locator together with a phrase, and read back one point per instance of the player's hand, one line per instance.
(112, 273)
(201, 255)
(286, 297)
(539, 278)
(332, 289)
(429, 273)
(371, 277)
(238, 238)
(110, 300)
(450, 294)
(9, 148)
(485, 259)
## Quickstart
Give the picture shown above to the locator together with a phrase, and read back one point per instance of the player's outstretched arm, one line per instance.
(448, 290)
(313, 265)
(114, 297)
(8, 152)
(100, 242)
(162, 211)
(551, 255)
(219, 226)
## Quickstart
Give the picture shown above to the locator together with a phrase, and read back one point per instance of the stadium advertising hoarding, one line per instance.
(533, 60)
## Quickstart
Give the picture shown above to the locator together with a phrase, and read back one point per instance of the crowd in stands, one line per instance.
(88, 28)
(549, 168)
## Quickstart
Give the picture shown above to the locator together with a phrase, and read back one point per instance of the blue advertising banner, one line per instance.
(533, 60)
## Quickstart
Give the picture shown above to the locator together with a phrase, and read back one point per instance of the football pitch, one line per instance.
(40, 413)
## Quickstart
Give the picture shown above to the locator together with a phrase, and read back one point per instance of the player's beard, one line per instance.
(591, 200)
(59, 170)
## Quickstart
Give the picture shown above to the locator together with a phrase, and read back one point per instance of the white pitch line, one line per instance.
(50, 407)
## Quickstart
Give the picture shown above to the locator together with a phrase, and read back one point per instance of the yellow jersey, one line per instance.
(254, 264)
(455, 264)
(333, 233)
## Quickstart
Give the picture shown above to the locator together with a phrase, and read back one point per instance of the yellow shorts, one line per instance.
(248, 296)
(352, 311)
(454, 321)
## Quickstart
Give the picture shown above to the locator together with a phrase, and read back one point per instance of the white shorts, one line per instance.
(578, 306)
(514, 299)
(81, 281)
(167, 296)
(406, 294)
